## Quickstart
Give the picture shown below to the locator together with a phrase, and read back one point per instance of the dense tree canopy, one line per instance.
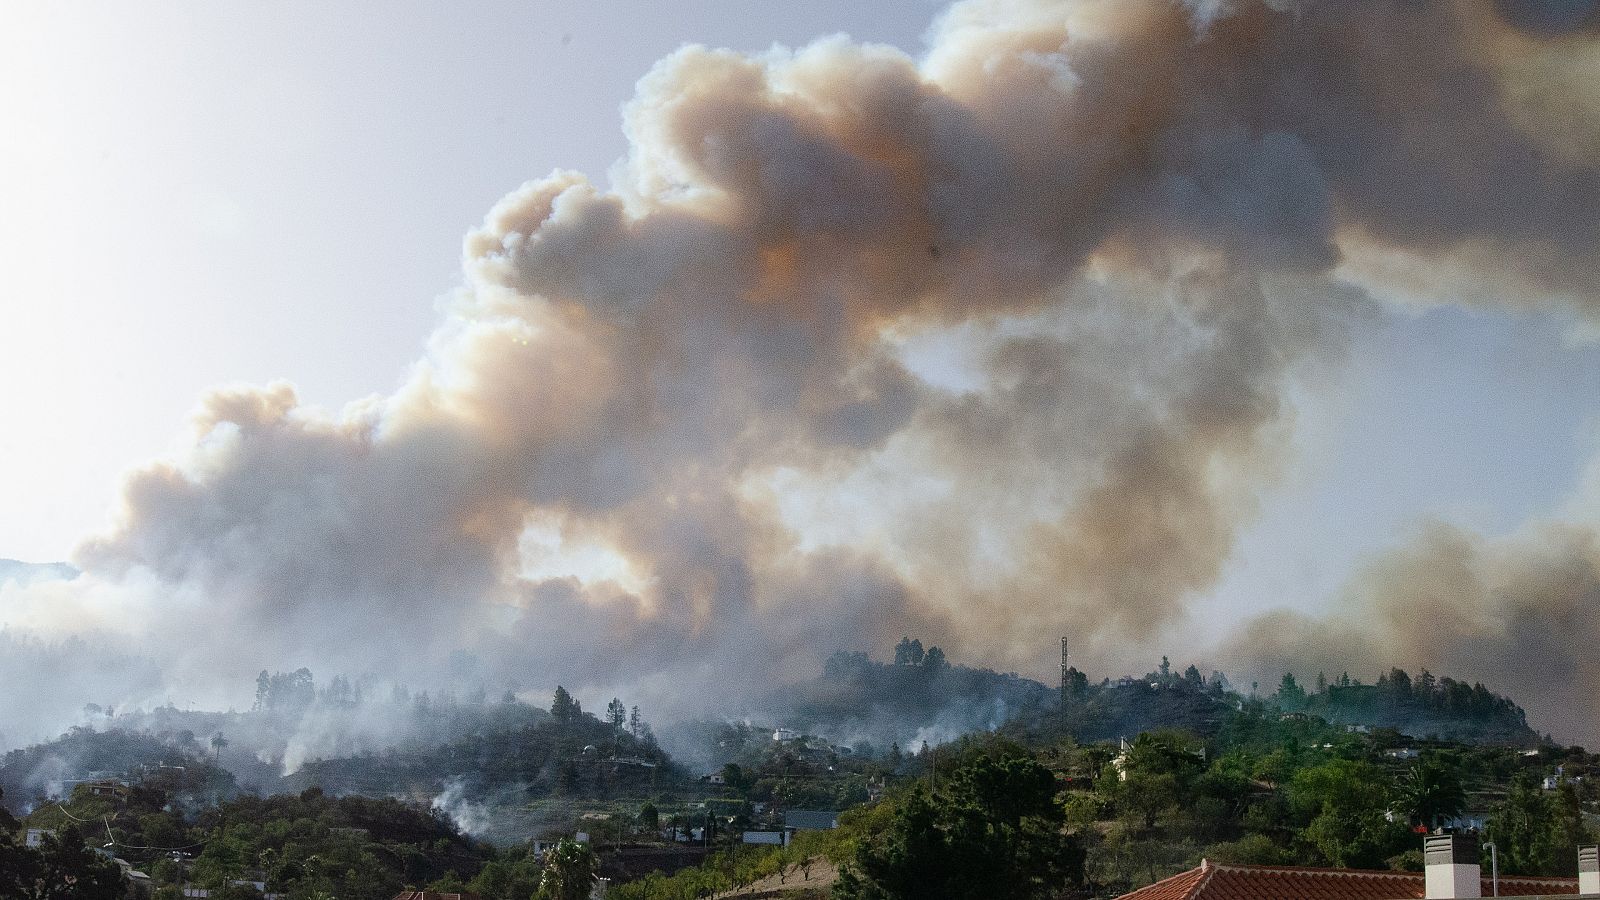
(994, 830)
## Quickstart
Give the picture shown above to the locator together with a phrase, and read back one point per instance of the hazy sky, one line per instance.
(205, 193)
(196, 194)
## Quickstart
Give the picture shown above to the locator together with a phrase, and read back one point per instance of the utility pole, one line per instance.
(1064, 677)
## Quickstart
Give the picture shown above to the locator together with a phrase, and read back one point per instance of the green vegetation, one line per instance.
(570, 753)
(993, 830)
(62, 867)
(1045, 799)
(1424, 706)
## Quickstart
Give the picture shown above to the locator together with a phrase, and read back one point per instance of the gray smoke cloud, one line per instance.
(1517, 611)
(987, 345)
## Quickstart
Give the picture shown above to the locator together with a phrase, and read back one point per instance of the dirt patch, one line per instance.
(793, 886)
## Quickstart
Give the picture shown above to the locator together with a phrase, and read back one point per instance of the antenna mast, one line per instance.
(1064, 683)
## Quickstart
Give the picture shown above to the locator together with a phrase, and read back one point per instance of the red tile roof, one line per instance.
(1222, 882)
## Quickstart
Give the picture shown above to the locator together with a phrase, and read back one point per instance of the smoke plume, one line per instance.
(1517, 611)
(983, 345)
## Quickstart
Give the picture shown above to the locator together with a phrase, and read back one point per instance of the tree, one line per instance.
(1077, 684)
(1145, 796)
(513, 875)
(451, 883)
(909, 652)
(635, 724)
(1537, 832)
(19, 866)
(1400, 683)
(616, 713)
(995, 832)
(217, 743)
(934, 661)
(563, 708)
(67, 869)
(1430, 791)
(1343, 803)
(1291, 696)
(1156, 773)
(902, 652)
(568, 872)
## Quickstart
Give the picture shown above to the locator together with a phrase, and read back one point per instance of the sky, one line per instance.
(199, 195)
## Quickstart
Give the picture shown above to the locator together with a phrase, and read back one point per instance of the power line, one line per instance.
(112, 838)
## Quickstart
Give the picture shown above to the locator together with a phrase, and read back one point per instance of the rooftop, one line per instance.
(1211, 881)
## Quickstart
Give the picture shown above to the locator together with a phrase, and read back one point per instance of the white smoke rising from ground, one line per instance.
(471, 818)
(673, 434)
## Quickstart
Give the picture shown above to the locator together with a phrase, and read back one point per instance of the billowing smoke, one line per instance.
(1520, 612)
(982, 346)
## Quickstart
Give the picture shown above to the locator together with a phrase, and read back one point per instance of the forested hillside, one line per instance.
(1423, 706)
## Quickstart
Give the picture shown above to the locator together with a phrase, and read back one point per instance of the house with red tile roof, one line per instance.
(1452, 870)
(1212, 881)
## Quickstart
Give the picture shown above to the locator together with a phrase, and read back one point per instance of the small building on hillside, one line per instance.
(107, 788)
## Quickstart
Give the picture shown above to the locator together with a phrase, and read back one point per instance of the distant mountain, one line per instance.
(26, 573)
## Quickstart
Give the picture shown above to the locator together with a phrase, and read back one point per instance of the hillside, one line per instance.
(53, 769)
(1423, 706)
(919, 698)
(576, 756)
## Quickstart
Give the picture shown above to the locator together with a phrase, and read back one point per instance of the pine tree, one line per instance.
(902, 652)
(616, 713)
(563, 708)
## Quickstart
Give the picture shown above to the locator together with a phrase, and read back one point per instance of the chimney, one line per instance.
(1452, 861)
(1589, 870)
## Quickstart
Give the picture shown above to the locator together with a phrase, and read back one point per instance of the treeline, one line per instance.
(297, 691)
(355, 848)
(62, 866)
(29, 775)
(567, 753)
(1423, 705)
(920, 695)
(992, 826)
(1267, 789)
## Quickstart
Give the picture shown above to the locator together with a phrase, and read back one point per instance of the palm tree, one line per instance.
(1430, 792)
